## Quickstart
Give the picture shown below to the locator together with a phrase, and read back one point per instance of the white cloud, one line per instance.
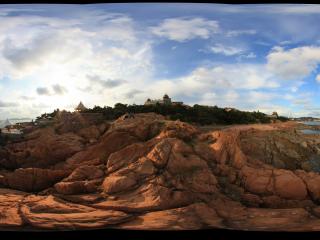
(271, 8)
(235, 76)
(226, 50)
(261, 96)
(251, 55)
(4, 104)
(38, 51)
(57, 55)
(251, 100)
(295, 63)
(248, 87)
(235, 33)
(298, 9)
(285, 42)
(183, 29)
(301, 101)
(217, 84)
(221, 99)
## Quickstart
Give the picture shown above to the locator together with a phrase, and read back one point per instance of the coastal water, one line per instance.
(311, 131)
(19, 120)
(312, 123)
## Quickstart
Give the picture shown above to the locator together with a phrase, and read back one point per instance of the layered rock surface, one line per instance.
(150, 173)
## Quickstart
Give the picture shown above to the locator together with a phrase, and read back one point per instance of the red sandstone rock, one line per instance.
(89, 133)
(149, 197)
(85, 172)
(34, 179)
(113, 184)
(287, 185)
(127, 155)
(77, 187)
(178, 129)
(159, 155)
(143, 126)
(109, 143)
(312, 181)
(259, 181)
(84, 179)
(251, 199)
(52, 213)
(167, 173)
(195, 216)
(46, 149)
(9, 208)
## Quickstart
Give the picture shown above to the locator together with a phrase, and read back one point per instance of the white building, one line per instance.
(166, 100)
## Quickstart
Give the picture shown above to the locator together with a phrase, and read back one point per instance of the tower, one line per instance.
(166, 99)
(80, 107)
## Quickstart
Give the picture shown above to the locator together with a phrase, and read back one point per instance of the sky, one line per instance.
(252, 57)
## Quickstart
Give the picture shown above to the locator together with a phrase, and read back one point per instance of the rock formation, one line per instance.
(150, 173)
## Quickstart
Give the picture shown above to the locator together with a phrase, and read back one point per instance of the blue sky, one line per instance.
(252, 57)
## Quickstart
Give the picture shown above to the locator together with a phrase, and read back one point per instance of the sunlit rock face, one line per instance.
(150, 173)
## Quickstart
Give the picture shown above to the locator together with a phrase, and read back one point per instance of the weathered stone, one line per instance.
(288, 185)
(34, 179)
(113, 184)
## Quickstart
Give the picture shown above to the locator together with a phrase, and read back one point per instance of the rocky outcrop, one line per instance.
(52, 213)
(143, 126)
(41, 149)
(192, 217)
(33, 179)
(10, 206)
(84, 179)
(150, 173)
(282, 149)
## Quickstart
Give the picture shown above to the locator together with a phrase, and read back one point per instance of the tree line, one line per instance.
(196, 114)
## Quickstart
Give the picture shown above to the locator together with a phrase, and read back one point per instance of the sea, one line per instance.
(311, 131)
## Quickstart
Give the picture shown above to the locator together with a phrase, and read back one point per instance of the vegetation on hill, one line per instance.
(3, 140)
(197, 114)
